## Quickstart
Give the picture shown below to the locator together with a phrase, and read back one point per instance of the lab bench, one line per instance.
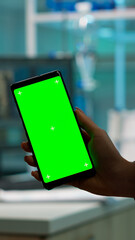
(68, 220)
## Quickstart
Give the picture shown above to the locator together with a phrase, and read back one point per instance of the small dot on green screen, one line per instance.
(52, 129)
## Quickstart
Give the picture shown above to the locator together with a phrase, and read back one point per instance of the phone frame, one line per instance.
(43, 77)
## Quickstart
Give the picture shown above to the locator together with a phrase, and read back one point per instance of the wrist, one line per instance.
(125, 179)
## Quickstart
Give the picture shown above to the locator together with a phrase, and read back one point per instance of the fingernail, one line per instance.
(79, 109)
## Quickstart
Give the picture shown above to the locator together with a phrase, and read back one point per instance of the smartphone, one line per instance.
(52, 129)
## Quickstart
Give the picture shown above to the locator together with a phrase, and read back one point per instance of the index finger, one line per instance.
(85, 122)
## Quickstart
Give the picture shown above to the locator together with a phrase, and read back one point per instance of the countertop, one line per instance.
(48, 218)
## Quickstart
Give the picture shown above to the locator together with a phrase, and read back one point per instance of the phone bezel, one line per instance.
(26, 82)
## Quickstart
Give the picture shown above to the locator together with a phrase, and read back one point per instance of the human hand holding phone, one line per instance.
(114, 175)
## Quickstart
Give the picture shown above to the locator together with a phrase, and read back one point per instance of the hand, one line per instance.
(115, 176)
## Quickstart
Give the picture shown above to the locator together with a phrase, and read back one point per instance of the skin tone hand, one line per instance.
(115, 176)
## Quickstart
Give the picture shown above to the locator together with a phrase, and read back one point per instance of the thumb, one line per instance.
(85, 122)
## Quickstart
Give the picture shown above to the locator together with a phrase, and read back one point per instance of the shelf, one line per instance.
(120, 36)
(117, 14)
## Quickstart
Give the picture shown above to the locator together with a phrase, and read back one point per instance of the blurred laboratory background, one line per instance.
(92, 43)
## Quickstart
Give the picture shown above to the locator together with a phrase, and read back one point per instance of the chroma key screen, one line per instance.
(52, 128)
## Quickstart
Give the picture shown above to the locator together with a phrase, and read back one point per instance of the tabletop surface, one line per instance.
(47, 218)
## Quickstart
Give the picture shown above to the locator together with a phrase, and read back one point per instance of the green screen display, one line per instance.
(52, 128)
